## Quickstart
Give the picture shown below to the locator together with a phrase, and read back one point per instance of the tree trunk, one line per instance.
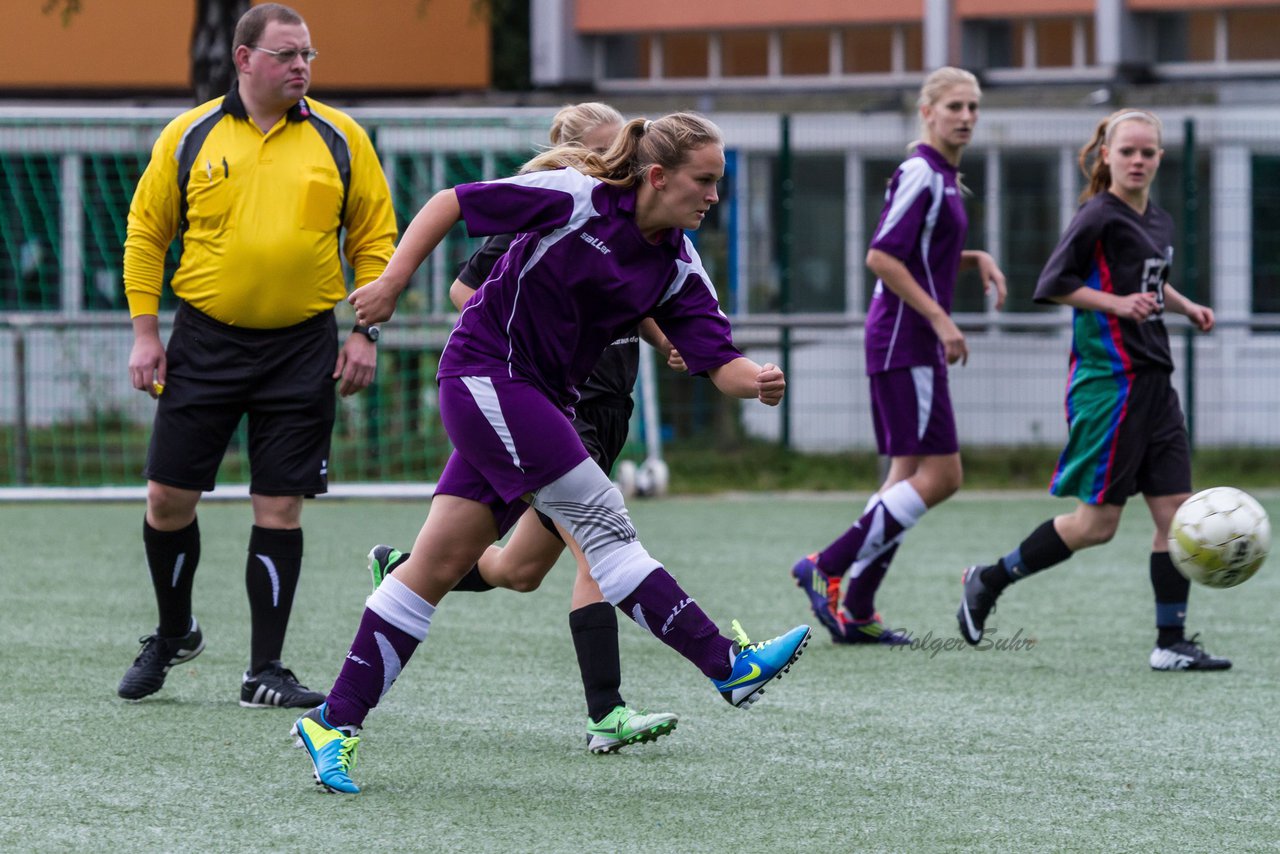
(211, 68)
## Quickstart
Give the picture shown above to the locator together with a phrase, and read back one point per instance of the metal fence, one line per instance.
(785, 247)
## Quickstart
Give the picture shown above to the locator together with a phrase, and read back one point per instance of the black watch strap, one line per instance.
(370, 332)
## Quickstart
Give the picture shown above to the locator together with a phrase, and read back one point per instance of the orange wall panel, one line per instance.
(1022, 8)
(611, 16)
(121, 43)
(445, 47)
(125, 44)
(1200, 5)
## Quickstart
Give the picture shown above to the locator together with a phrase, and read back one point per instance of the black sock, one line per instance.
(271, 577)
(473, 581)
(1042, 549)
(172, 558)
(1172, 589)
(595, 638)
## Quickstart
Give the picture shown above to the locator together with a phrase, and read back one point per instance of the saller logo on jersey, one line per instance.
(596, 242)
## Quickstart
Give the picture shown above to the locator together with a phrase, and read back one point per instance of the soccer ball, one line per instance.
(1219, 537)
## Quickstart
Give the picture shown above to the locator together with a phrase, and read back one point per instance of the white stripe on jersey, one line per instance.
(580, 188)
(486, 398)
(917, 177)
(685, 269)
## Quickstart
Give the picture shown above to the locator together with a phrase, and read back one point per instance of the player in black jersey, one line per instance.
(1126, 430)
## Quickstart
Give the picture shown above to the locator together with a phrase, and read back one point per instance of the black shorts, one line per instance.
(281, 378)
(603, 428)
(1126, 435)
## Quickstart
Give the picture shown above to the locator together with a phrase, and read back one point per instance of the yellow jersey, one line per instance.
(259, 214)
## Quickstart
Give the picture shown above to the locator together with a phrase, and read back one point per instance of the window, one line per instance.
(30, 244)
(806, 52)
(818, 234)
(626, 57)
(1183, 36)
(1054, 42)
(973, 174)
(1169, 193)
(876, 173)
(1252, 34)
(1266, 234)
(913, 44)
(685, 55)
(1028, 221)
(868, 50)
(993, 44)
(744, 54)
(108, 183)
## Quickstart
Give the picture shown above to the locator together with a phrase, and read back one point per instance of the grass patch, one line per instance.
(1070, 744)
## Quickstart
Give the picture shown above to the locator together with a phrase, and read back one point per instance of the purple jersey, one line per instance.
(579, 276)
(923, 225)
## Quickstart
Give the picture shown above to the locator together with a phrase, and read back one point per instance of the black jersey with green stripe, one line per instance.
(1110, 247)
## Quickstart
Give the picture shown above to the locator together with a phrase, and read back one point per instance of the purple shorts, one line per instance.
(911, 410)
(508, 441)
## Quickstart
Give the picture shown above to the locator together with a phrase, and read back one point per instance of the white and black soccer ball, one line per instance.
(1219, 537)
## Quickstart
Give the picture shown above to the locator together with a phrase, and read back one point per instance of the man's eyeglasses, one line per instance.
(285, 57)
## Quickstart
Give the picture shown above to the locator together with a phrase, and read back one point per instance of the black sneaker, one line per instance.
(976, 603)
(146, 675)
(871, 630)
(277, 686)
(1186, 654)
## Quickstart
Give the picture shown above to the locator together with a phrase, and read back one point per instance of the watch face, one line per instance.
(373, 332)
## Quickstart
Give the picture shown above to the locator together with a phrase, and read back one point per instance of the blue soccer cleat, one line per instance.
(823, 591)
(756, 664)
(332, 750)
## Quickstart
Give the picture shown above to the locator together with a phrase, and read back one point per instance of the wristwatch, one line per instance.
(373, 333)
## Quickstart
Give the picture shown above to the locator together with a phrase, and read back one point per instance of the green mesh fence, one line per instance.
(69, 417)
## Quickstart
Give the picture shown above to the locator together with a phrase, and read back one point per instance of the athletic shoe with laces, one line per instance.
(383, 559)
(275, 685)
(872, 631)
(756, 664)
(823, 591)
(1186, 654)
(332, 750)
(146, 675)
(976, 604)
(624, 726)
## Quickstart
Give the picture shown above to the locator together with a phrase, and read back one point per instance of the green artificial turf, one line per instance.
(1068, 743)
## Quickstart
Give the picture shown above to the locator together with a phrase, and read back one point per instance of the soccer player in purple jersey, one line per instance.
(1126, 432)
(916, 254)
(602, 412)
(601, 245)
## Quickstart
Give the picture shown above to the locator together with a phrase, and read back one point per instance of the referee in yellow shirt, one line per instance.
(260, 185)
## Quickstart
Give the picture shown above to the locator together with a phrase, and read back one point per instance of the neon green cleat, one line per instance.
(332, 750)
(625, 726)
(383, 559)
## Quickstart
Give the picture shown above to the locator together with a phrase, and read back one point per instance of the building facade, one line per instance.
(722, 45)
